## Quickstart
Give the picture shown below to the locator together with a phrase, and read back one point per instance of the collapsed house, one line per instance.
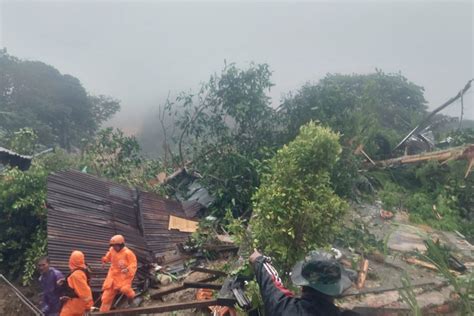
(84, 211)
(11, 158)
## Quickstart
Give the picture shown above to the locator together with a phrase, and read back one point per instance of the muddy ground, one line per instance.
(11, 305)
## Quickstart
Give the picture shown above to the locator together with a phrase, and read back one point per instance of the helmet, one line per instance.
(117, 240)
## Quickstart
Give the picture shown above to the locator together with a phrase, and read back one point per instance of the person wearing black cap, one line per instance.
(321, 277)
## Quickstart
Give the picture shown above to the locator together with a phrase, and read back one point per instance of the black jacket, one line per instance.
(280, 301)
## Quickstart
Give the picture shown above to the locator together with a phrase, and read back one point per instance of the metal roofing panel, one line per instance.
(8, 157)
(85, 211)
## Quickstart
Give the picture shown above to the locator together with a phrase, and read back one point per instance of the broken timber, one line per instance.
(169, 307)
(463, 152)
(433, 113)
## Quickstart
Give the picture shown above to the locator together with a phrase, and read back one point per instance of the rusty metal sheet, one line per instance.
(84, 211)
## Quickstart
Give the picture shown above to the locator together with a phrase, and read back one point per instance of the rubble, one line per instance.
(380, 294)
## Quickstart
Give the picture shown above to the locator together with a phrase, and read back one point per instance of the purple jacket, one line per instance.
(50, 304)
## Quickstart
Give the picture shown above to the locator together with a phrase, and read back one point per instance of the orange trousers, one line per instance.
(73, 307)
(108, 296)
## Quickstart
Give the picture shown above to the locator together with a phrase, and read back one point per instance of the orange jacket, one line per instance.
(122, 269)
(77, 280)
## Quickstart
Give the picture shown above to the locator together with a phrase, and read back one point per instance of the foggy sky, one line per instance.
(139, 51)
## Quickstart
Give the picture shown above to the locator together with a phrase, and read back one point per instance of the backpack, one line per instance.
(67, 290)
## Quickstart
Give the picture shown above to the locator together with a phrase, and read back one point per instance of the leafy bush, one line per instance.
(433, 193)
(295, 208)
(438, 213)
(22, 213)
(392, 196)
(37, 249)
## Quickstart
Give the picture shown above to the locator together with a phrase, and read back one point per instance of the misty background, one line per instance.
(139, 52)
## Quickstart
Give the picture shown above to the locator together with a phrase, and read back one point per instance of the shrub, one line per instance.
(295, 207)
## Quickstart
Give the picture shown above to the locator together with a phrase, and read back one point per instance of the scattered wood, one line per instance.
(456, 153)
(431, 284)
(210, 271)
(168, 307)
(421, 263)
(225, 239)
(363, 268)
(384, 214)
(360, 150)
(182, 224)
(427, 265)
(178, 287)
(381, 311)
(435, 211)
(202, 285)
(435, 111)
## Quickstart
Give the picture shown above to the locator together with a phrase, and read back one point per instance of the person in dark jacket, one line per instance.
(321, 277)
(50, 304)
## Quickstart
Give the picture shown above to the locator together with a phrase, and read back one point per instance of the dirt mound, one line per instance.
(10, 304)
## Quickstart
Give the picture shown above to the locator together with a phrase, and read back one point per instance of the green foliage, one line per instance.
(359, 238)
(55, 106)
(37, 249)
(232, 178)
(408, 296)
(345, 177)
(113, 155)
(295, 208)
(22, 198)
(374, 109)
(205, 236)
(225, 130)
(24, 141)
(443, 215)
(463, 286)
(392, 196)
(22, 207)
(461, 137)
(435, 194)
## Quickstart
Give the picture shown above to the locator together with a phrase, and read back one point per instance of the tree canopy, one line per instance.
(56, 106)
(375, 109)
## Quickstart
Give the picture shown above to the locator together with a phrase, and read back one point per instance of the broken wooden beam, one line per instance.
(178, 287)
(210, 271)
(363, 269)
(427, 265)
(392, 288)
(434, 112)
(168, 307)
(202, 285)
(456, 153)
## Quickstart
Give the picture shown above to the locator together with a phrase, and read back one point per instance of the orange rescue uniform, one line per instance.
(77, 280)
(119, 279)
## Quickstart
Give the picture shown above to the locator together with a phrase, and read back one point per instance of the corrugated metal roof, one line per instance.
(85, 211)
(8, 157)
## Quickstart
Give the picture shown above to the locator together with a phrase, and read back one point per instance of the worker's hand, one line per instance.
(254, 256)
(125, 270)
(60, 282)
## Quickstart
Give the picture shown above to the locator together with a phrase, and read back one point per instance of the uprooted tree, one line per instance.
(295, 208)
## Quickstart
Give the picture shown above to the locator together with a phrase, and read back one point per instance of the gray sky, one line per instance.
(139, 51)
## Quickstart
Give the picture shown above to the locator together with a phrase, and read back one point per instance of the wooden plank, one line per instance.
(210, 271)
(168, 307)
(392, 288)
(363, 268)
(202, 285)
(178, 287)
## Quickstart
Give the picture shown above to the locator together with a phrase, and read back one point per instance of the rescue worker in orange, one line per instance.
(78, 296)
(123, 265)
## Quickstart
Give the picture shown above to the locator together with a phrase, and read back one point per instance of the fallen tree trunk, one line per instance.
(463, 152)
